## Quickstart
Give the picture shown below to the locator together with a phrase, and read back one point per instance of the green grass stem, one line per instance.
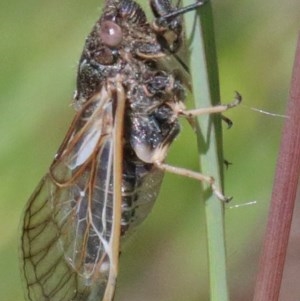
(205, 83)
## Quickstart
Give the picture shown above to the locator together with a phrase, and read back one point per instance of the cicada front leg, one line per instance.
(212, 110)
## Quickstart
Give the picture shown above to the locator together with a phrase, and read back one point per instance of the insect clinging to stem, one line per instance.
(107, 173)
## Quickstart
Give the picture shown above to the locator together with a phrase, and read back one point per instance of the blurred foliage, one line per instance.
(165, 259)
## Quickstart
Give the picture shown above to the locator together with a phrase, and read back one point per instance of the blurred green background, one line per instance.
(165, 259)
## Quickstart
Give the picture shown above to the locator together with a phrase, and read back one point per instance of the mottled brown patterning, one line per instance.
(107, 173)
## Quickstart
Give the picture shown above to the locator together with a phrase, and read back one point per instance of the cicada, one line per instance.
(107, 173)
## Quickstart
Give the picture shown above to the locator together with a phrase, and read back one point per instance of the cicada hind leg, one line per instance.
(189, 115)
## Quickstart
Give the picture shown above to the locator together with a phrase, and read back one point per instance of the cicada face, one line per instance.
(104, 180)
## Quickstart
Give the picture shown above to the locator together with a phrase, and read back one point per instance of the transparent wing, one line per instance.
(71, 225)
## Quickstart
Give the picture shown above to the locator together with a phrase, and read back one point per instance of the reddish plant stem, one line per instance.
(283, 197)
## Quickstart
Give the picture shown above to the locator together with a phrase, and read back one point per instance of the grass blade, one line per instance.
(204, 74)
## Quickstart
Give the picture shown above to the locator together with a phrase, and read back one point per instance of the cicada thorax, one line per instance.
(123, 44)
